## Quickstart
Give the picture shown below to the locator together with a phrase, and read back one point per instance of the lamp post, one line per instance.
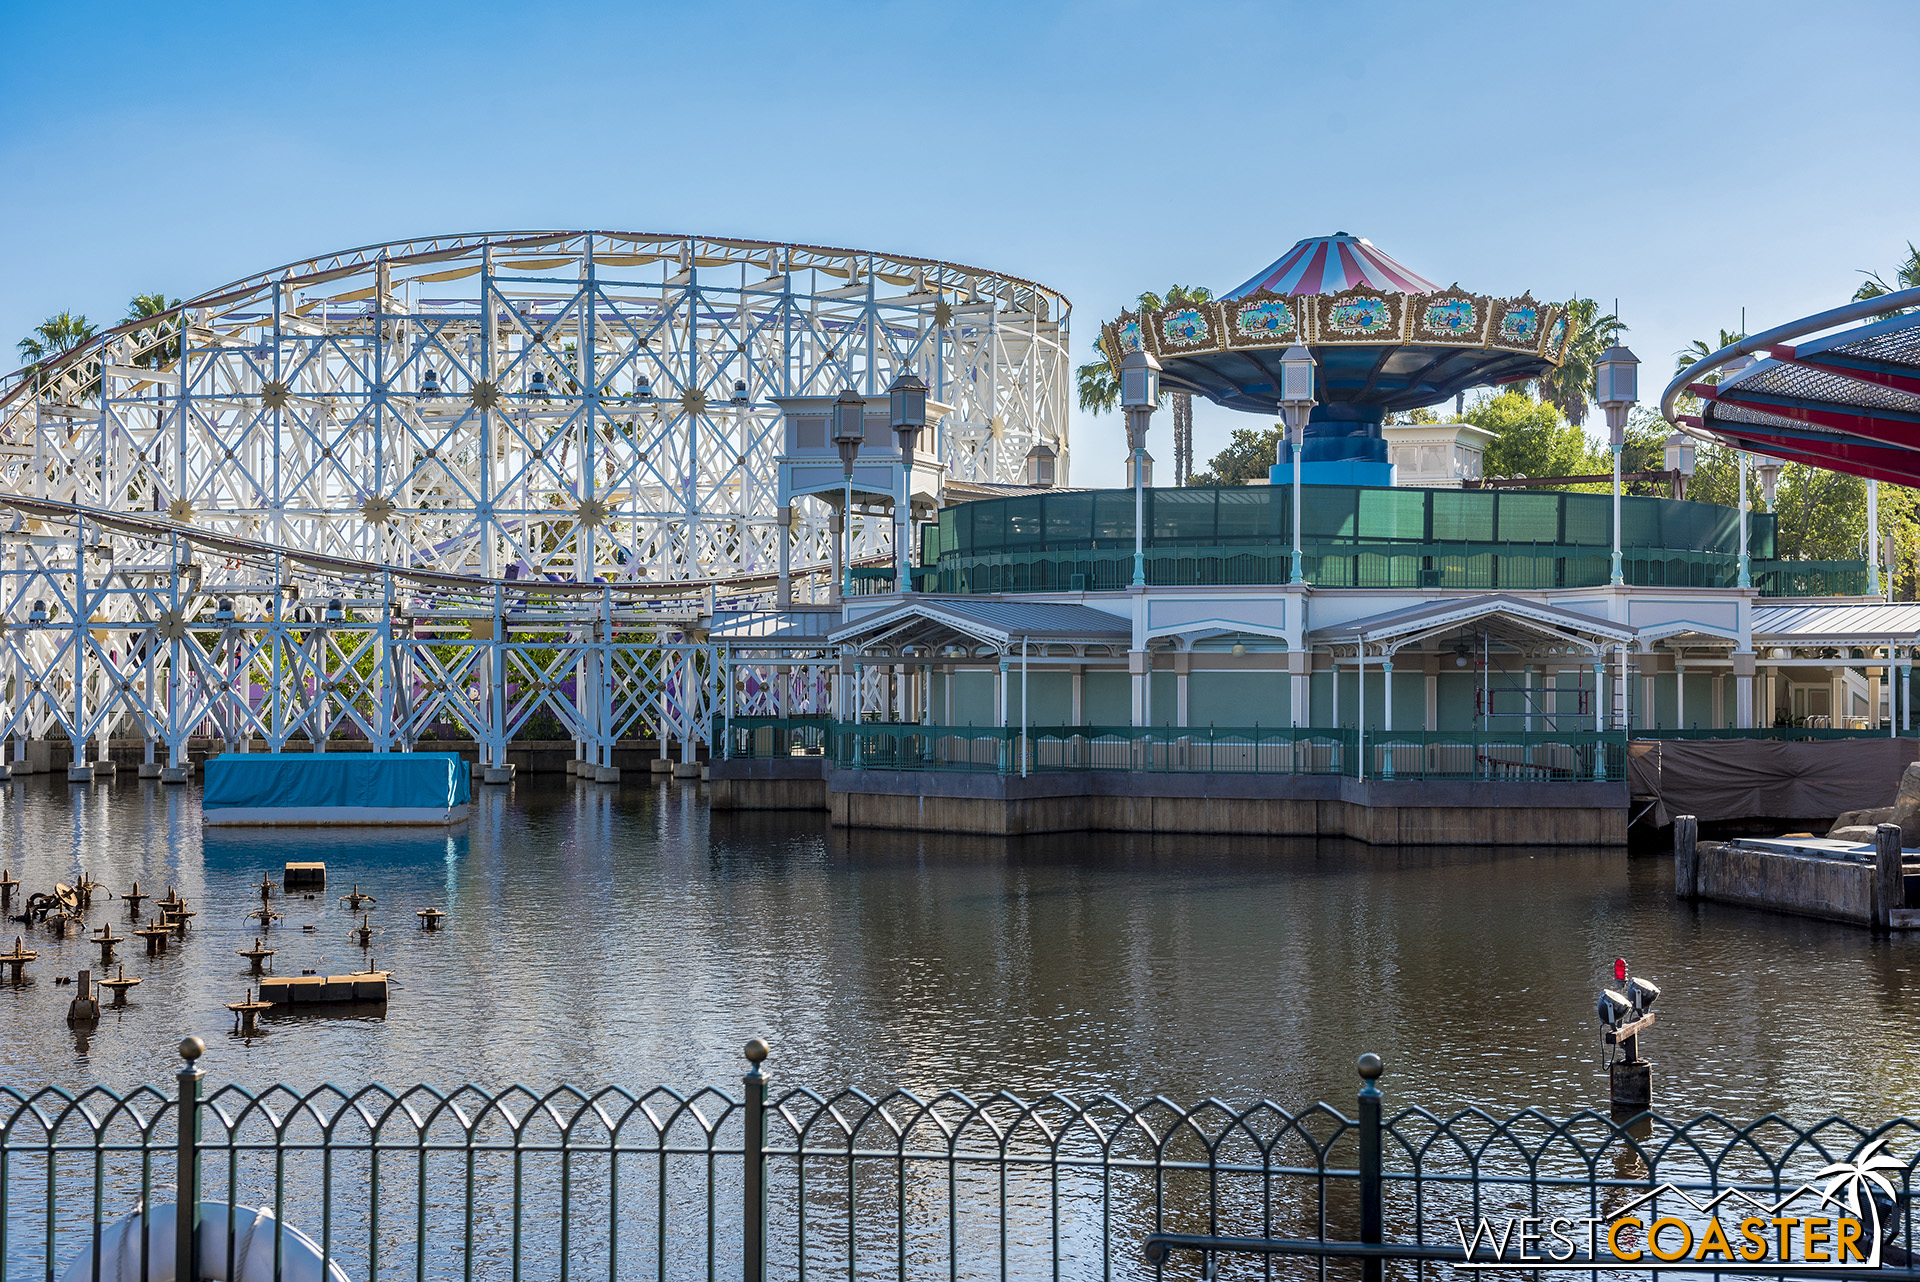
(1679, 455)
(1139, 397)
(907, 403)
(849, 430)
(1746, 555)
(1617, 380)
(1296, 404)
(1873, 537)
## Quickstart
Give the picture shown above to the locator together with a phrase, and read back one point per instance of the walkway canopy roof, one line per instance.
(1523, 625)
(1848, 625)
(1848, 401)
(929, 626)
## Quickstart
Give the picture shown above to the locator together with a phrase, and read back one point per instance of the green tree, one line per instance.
(1533, 439)
(1571, 386)
(1249, 453)
(146, 307)
(1698, 350)
(1905, 276)
(54, 335)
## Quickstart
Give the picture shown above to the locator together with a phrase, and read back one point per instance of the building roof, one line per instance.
(1329, 264)
(1520, 618)
(996, 623)
(1835, 624)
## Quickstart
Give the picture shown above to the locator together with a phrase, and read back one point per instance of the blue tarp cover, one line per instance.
(428, 780)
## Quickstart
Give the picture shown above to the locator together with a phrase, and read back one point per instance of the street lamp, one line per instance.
(907, 405)
(1296, 404)
(849, 430)
(1139, 397)
(1679, 455)
(1768, 470)
(1617, 380)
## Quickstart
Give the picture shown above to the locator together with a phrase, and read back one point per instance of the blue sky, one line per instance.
(1688, 159)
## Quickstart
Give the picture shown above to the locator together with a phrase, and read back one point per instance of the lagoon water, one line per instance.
(626, 935)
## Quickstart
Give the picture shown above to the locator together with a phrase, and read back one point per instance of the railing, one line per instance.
(1386, 565)
(1775, 732)
(1810, 578)
(385, 1184)
(764, 738)
(1543, 756)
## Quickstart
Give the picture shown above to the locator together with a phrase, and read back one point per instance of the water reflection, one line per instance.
(602, 935)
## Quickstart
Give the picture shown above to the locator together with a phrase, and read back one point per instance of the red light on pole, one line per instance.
(1619, 970)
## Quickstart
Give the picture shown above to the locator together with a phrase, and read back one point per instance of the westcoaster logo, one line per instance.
(1838, 1226)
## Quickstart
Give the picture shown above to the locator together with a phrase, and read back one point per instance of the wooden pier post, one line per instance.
(1686, 857)
(1889, 883)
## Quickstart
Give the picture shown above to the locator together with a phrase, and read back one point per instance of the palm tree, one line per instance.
(1906, 276)
(146, 307)
(54, 335)
(1100, 390)
(1698, 350)
(1572, 384)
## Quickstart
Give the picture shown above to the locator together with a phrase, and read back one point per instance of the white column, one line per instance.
(1719, 714)
(1431, 721)
(1182, 663)
(1679, 694)
(1873, 537)
(1526, 693)
(783, 600)
(1386, 694)
(1000, 693)
(1906, 690)
(1300, 665)
(1079, 694)
(1137, 677)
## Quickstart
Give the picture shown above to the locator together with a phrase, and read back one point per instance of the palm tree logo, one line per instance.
(1851, 1184)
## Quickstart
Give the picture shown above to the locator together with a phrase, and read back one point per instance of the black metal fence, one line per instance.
(419, 1183)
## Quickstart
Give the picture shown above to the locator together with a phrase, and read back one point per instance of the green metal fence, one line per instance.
(1362, 537)
(1461, 566)
(1543, 756)
(378, 1184)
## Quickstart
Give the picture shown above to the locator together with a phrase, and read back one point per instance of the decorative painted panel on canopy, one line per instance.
(1384, 336)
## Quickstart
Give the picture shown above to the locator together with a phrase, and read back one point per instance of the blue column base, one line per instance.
(1333, 472)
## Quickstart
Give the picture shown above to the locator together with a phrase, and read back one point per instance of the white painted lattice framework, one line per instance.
(512, 459)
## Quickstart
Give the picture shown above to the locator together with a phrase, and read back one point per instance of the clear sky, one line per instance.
(1689, 159)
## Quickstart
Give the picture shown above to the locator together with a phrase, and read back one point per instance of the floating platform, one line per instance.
(336, 789)
(318, 990)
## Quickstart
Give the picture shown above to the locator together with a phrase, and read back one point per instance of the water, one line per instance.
(627, 936)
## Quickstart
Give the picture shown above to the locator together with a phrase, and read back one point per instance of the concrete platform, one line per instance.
(1379, 812)
(314, 990)
(497, 774)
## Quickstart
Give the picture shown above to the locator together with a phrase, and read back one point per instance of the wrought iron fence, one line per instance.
(420, 1183)
(1539, 756)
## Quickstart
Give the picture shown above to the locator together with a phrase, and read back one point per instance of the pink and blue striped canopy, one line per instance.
(1329, 264)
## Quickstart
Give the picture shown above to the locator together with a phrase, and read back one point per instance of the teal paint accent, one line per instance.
(1049, 703)
(1107, 698)
(1222, 698)
(1166, 703)
(973, 703)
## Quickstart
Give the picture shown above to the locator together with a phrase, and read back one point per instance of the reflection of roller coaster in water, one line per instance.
(469, 481)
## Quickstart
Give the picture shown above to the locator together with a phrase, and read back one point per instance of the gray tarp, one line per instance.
(1767, 778)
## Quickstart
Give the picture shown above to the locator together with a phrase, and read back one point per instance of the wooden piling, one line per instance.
(1889, 883)
(1686, 857)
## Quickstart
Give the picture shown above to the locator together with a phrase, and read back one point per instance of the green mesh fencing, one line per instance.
(1262, 515)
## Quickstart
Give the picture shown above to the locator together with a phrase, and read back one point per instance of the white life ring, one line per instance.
(253, 1236)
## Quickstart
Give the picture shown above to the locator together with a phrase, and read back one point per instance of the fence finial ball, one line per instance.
(192, 1048)
(1370, 1066)
(757, 1050)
